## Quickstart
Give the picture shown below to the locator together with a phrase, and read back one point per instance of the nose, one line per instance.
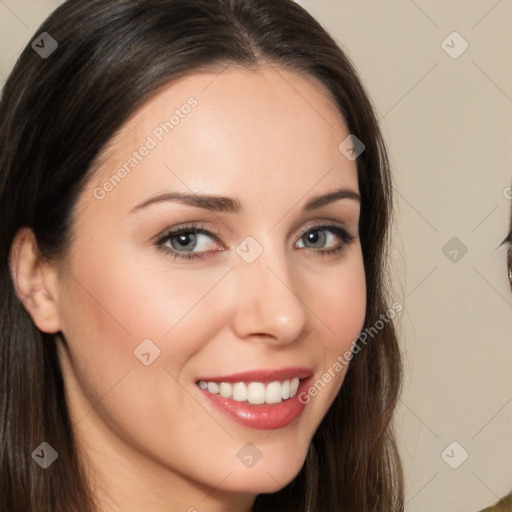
(268, 305)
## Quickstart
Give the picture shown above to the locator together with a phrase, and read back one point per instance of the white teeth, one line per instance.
(240, 392)
(273, 393)
(225, 390)
(254, 392)
(294, 385)
(213, 387)
(285, 390)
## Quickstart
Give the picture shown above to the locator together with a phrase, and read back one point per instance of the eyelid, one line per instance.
(325, 224)
(336, 227)
(188, 226)
(200, 228)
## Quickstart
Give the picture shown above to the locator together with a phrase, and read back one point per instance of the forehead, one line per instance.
(264, 93)
(240, 130)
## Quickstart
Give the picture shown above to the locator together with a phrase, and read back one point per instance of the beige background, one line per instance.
(448, 124)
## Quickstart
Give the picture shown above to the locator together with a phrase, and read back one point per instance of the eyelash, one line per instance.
(341, 233)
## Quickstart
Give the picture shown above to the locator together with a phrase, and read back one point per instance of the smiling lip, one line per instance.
(261, 416)
(264, 376)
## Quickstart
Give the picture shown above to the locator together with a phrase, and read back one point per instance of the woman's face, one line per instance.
(263, 286)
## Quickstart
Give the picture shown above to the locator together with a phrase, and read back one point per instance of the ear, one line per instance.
(35, 281)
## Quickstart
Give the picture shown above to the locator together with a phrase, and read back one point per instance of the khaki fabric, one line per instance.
(504, 505)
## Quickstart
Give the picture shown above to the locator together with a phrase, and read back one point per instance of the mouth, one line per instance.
(260, 399)
(254, 393)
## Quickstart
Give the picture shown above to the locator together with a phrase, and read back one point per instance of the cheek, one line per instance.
(113, 305)
(118, 299)
(108, 308)
(340, 305)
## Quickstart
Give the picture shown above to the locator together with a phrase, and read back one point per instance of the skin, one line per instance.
(151, 439)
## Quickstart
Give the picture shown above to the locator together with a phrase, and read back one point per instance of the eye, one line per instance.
(196, 242)
(325, 239)
(188, 242)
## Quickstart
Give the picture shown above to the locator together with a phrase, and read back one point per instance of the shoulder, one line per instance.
(504, 505)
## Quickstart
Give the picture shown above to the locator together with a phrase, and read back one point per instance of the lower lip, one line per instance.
(262, 416)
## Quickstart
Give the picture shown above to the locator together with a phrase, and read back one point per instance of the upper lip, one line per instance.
(269, 375)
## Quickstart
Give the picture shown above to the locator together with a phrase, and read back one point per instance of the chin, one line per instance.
(265, 478)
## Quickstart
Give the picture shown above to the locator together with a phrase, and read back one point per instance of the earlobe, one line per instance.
(31, 277)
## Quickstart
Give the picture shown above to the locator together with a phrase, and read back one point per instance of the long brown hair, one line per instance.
(56, 116)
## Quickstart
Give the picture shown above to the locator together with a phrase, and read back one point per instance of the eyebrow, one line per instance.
(228, 205)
